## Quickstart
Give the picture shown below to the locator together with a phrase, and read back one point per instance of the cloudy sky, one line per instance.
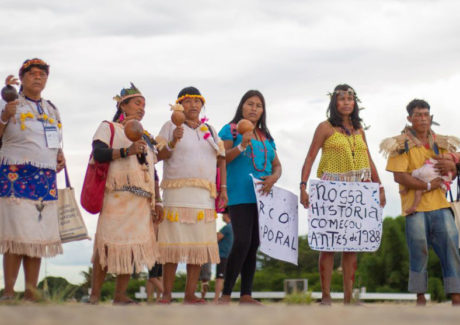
(295, 52)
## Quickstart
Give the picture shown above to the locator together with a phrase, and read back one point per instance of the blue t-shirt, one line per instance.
(239, 183)
(225, 244)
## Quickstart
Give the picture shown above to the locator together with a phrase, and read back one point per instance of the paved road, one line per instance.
(279, 314)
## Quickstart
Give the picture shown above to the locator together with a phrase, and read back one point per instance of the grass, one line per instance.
(299, 298)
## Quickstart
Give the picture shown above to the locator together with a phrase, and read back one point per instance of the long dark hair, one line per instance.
(119, 110)
(334, 117)
(261, 124)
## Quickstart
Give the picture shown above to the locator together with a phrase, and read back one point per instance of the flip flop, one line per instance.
(125, 303)
(7, 298)
(164, 301)
(196, 302)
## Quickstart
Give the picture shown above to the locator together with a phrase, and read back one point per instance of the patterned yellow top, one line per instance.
(344, 158)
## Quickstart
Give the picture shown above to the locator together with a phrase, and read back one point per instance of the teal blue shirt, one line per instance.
(225, 244)
(239, 183)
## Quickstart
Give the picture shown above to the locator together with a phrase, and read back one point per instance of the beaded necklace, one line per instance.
(265, 153)
(37, 113)
(349, 133)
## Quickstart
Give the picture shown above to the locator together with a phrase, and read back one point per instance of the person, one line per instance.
(191, 153)
(427, 173)
(225, 242)
(205, 276)
(344, 157)
(155, 282)
(125, 237)
(432, 223)
(254, 153)
(30, 157)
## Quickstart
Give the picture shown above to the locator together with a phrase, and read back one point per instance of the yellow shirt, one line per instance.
(407, 162)
(344, 158)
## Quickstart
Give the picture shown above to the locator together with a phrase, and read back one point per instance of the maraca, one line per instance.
(177, 116)
(134, 130)
(244, 126)
(9, 93)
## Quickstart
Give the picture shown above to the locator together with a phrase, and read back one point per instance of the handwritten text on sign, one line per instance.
(344, 216)
(278, 223)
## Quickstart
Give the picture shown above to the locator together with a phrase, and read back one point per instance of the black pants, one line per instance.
(242, 258)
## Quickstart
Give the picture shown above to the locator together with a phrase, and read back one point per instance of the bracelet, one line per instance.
(122, 153)
(2, 121)
(381, 186)
(454, 157)
(159, 204)
(158, 199)
(428, 186)
(240, 148)
(224, 185)
(303, 183)
(170, 146)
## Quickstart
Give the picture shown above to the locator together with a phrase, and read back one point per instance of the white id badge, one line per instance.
(52, 137)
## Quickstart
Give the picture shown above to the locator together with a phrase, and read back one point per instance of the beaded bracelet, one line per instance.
(454, 157)
(2, 121)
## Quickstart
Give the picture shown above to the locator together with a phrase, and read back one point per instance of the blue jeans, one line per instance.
(436, 228)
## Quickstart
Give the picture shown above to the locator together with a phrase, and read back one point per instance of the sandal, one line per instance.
(125, 303)
(164, 301)
(199, 301)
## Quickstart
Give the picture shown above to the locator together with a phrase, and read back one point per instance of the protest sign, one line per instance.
(344, 216)
(278, 223)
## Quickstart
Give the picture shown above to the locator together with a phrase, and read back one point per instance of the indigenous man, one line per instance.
(432, 223)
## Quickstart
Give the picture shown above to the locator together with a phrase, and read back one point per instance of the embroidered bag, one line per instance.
(71, 224)
(92, 192)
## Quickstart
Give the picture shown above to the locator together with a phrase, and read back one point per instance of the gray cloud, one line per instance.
(293, 51)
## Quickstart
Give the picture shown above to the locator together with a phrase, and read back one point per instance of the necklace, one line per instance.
(37, 112)
(350, 133)
(265, 153)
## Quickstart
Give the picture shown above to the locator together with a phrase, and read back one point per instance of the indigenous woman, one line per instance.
(345, 157)
(29, 160)
(191, 153)
(125, 237)
(254, 153)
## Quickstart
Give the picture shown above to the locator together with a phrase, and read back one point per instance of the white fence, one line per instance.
(278, 295)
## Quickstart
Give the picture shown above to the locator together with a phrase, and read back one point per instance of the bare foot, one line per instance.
(193, 300)
(247, 299)
(123, 300)
(326, 300)
(455, 299)
(421, 301)
(224, 300)
(30, 296)
(93, 300)
(7, 298)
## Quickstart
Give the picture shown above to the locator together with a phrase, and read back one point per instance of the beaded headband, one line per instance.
(126, 93)
(180, 99)
(35, 62)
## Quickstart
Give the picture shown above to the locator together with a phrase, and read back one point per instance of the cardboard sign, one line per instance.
(278, 223)
(344, 216)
